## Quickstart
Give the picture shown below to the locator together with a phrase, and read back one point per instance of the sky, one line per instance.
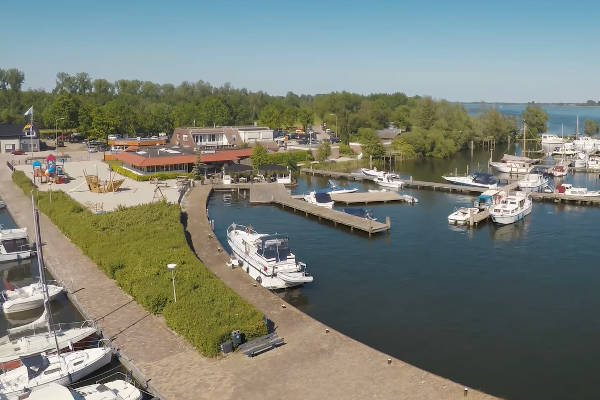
(511, 51)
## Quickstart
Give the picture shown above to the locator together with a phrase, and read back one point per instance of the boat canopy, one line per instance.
(274, 246)
(484, 178)
(35, 364)
(322, 197)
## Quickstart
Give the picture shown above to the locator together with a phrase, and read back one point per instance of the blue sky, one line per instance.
(458, 50)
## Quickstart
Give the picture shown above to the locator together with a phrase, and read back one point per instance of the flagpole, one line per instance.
(31, 133)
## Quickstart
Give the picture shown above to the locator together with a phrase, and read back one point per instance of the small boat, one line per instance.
(389, 180)
(511, 209)
(114, 390)
(371, 173)
(334, 189)
(586, 144)
(463, 215)
(40, 370)
(593, 163)
(551, 139)
(28, 297)
(67, 336)
(319, 199)
(14, 245)
(360, 212)
(512, 167)
(558, 170)
(266, 258)
(532, 182)
(477, 179)
(568, 190)
(2, 205)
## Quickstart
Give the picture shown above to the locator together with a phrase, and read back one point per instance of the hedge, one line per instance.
(133, 246)
(289, 156)
(116, 167)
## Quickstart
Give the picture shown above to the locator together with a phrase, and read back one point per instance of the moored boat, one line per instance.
(551, 139)
(463, 215)
(319, 199)
(593, 163)
(558, 170)
(266, 258)
(28, 297)
(113, 390)
(335, 189)
(389, 180)
(511, 208)
(14, 245)
(477, 179)
(512, 167)
(568, 190)
(532, 182)
(488, 198)
(372, 173)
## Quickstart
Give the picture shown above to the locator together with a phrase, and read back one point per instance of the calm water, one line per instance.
(558, 116)
(510, 310)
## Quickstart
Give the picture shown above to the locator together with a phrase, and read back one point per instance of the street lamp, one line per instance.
(336, 125)
(56, 131)
(172, 268)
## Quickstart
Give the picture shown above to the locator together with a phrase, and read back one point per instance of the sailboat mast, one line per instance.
(40, 259)
(524, 140)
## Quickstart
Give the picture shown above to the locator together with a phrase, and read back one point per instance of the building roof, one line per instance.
(388, 133)
(14, 130)
(156, 156)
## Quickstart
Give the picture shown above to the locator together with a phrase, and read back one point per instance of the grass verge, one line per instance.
(133, 246)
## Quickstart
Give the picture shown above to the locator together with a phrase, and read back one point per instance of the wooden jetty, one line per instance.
(563, 198)
(273, 193)
(367, 197)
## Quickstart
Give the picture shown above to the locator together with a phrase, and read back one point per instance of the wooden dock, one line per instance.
(272, 193)
(367, 197)
(563, 198)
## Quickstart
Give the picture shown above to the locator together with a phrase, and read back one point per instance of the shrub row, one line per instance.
(133, 246)
(116, 167)
(289, 157)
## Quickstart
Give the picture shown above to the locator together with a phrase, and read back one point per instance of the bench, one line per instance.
(261, 344)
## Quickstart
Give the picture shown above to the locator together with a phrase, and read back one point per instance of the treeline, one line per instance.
(97, 108)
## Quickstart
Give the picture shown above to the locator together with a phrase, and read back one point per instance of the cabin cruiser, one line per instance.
(360, 212)
(560, 169)
(14, 245)
(511, 208)
(114, 390)
(266, 258)
(569, 190)
(28, 297)
(488, 198)
(41, 369)
(319, 199)
(551, 139)
(67, 335)
(478, 179)
(389, 180)
(593, 163)
(512, 167)
(2, 205)
(532, 182)
(585, 144)
(463, 215)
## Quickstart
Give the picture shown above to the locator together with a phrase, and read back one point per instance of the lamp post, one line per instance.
(56, 131)
(336, 124)
(172, 268)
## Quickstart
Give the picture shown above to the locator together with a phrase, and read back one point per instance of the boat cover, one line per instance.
(35, 364)
(322, 197)
(484, 178)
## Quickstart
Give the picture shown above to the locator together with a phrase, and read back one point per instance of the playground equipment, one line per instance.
(99, 186)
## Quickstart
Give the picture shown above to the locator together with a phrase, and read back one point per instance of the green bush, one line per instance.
(288, 157)
(345, 150)
(116, 167)
(133, 246)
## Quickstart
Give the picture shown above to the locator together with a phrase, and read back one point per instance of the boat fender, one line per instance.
(247, 270)
(258, 279)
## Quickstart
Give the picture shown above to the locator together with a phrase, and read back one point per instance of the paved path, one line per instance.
(312, 365)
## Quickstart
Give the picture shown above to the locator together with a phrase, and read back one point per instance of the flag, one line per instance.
(29, 130)
(29, 112)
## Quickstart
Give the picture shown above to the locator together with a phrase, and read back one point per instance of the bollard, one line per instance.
(326, 330)
(466, 392)
(389, 361)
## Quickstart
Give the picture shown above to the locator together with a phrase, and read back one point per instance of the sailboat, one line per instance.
(114, 390)
(41, 369)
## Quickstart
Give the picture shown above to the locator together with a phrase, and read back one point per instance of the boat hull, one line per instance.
(461, 182)
(507, 168)
(16, 256)
(506, 219)
(12, 306)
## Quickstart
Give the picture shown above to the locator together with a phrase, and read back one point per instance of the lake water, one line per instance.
(558, 116)
(509, 310)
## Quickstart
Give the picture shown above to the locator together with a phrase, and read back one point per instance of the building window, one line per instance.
(185, 138)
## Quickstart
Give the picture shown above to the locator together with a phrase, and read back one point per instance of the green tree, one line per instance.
(104, 123)
(536, 118)
(370, 143)
(258, 156)
(83, 83)
(14, 78)
(273, 116)
(214, 111)
(324, 151)
(62, 112)
(424, 113)
(305, 116)
(493, 123)
(590, 127)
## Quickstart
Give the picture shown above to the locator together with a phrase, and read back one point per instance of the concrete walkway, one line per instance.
(312, 365)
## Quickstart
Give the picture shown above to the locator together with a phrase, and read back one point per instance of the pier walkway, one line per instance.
(266, 193)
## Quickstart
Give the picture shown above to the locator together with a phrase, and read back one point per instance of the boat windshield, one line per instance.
(274, 247)
(15, 245)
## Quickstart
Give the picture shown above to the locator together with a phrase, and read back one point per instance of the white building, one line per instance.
(13, 137)
(220, 136)
(255, 134)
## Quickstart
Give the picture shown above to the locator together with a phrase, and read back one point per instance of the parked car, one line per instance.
(17, 152)
(334, 139)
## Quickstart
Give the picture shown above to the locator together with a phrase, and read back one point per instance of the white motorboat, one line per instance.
(389, 180)
(266, 258)
(463, 215)
(2, 205)
(335, 189)
(593, 163)
(28, 297)
(488, 198)
(14, 245)
(532, 182)
(477, 179)
(319, 199)
(39, 370)
(372, 173)
(551, 139)
(512, 167)
(511, 208)
(361, 213)
(67, 335)
(114, 390)
(568, 190)
(585, 144)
